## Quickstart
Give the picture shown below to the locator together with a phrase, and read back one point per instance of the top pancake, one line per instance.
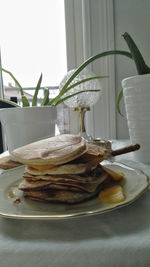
(55, 150)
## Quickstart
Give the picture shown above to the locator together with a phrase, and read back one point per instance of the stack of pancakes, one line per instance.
(63, 168)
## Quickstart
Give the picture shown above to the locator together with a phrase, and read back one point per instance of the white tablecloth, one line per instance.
(120, 238)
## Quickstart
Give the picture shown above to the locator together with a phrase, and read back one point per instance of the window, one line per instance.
(33, 41)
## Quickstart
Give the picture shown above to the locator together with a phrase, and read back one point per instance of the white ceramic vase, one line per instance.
(28, 124)
(136, 92)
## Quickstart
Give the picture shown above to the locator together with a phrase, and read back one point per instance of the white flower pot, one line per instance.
(28, 124)
(136, 92)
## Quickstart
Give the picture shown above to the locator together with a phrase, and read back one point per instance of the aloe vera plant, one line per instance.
(141, 66)
(67, 86)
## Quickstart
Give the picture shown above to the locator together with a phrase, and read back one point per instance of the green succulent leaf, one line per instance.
(91, 59)
(87, 62)
(69, 96)
(46, 98)
(13, 104)
(85, 80)
(15, 80)
(141, 66)
(119, 97)
(34, 101)
(74, 85)
(25, 101)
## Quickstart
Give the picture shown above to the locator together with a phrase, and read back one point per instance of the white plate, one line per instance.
(134, 184)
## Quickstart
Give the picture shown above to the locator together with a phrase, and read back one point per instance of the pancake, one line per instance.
(87, 182)
(83, 164)
(64, 168)
(60, 196)
(53, 151)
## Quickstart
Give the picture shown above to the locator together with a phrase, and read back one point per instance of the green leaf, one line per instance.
(9, 102)
(91, 59)
(69, 96)
(46, 98)
(85, 80)
(74, 85)
(141, 66)
(15, 80)
(119, 97)
(87, 62)
(25, 101)
(34, 101)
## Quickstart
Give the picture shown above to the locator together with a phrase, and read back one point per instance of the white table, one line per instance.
(120, 238)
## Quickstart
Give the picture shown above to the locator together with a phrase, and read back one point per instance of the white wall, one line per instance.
(132, 16)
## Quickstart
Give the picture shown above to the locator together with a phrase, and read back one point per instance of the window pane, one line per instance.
(33, 41)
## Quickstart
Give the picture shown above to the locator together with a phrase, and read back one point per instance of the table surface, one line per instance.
(119, 238)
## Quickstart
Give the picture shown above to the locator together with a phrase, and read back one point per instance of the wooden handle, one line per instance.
(125, 150)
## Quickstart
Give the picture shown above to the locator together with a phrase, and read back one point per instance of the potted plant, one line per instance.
(27, 123)
(136, 93)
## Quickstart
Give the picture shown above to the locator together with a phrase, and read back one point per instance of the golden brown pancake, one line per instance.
(63, 168)
(54, 150)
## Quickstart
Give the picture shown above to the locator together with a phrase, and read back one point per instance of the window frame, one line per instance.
(83, 41)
